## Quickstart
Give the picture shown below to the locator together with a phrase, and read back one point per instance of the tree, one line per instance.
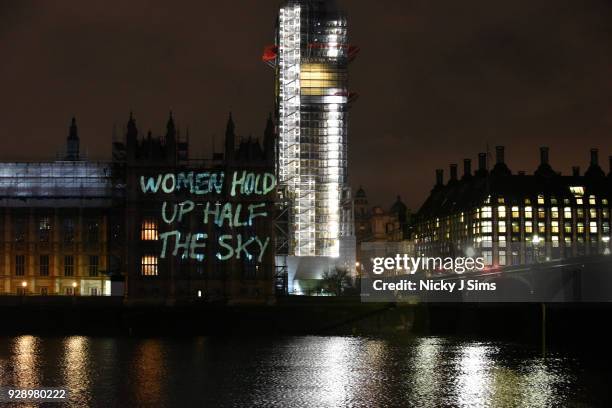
(335, 281)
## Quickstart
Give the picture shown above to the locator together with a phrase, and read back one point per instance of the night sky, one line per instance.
(438, 80)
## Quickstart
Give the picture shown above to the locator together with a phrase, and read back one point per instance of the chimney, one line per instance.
(482, 162)
(453, 172)
(439, 177)
(544, 155)
(467, 167)
(594, 158)
(499, 154)
(576, 171)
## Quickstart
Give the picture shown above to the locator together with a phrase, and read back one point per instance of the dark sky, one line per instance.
(438, 80)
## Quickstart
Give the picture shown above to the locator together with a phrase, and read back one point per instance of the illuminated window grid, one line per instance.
(149, 231)
(149, 265)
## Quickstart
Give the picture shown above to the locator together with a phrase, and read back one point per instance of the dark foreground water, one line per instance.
(298, 372)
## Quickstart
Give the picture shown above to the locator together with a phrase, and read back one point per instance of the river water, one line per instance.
(299, 372)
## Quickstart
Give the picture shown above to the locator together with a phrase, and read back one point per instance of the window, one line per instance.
(541, 213)
(541, 227)
(593, 213)
(68, 265)
(502, 258)
(19, 229)
(68, 230)
(501, 227)
(528, 212)
(93, 231)
(93, 265)
(20, 265)
(579, 201)
(553, 200)
(555, 241)
(605, 213)
(69, 290)
(580, 228)
(148, 230)
(486, 212)
(44, 265)
(488, 257)
(605, 227)
(148, 265)
(555, 227)
(528, 227)
(592, 200)
(604, 201)
(540, 199)
(515, 212)
(501, 211)
(568, 228)
(515, 227)
(93, 292)
(567, 213)
(44, 291)
(487, 227)
(580, 213)
(554, 213)
(593, 227)
(44, 229)
(502, 242)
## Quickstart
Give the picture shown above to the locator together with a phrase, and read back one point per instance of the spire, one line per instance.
(72, 144)
(230, 138)
(170, 127)
(74, 134)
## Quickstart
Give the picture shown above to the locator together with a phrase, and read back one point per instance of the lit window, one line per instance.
(577, 191)
(555, 241)
(528, 212)
(44, 229)
(540, 199)
(502, 242)
(515, 212)
(541, 213)
(501, 227)
(568, 228)
(487, 227)
(593, 227)
(528, 227)
(148, 231)
(502, 258)
(527, 201)
(555, 227)
(604, 201)
(580, 228)
(579, 201)
(554, 212)
(486, 212)
(488, 257)
(605, 213)
(593, 213)
(500, 200)
(592, 200)
(515, 227)
(148, 265)
(567, 212)
(568, 241)
(541, 227)
(501, 211)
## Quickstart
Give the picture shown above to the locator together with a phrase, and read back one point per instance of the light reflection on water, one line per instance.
(293, 372)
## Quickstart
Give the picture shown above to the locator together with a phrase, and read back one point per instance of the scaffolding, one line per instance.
(312, 58)
(55, 180)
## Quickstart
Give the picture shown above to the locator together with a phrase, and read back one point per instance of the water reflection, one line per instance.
(75, 368)
(294, 371)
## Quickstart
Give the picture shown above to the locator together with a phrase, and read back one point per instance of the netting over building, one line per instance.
(311, 58)
(61, 180)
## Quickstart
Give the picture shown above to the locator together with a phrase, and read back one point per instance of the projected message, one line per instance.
(203, 208)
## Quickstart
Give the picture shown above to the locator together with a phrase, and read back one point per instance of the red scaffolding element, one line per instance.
(270, 53)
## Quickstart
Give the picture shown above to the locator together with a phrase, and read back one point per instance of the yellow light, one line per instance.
(24, 284)
(74, 284)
